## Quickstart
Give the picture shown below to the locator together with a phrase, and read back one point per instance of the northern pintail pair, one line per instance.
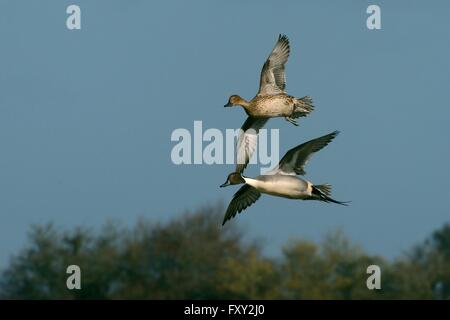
(282, 180)
(272, 101)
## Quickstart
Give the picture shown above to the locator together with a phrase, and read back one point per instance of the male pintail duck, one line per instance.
(282, 180)
(270, 101)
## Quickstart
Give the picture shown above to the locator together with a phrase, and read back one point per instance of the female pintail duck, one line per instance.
(270, 101)
(282, 181)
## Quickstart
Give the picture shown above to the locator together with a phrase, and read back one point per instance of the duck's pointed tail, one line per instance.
(322, 192)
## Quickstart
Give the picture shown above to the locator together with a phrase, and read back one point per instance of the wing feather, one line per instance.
(247, 141)
(242, 199)
(294, 161)
(273, 78)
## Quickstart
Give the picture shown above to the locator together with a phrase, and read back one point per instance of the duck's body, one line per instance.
(278, 105)
(271, 101)
(282, 181)
(279, 185)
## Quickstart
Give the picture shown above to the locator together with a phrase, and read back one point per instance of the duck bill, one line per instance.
(228, 105)
(226, 184)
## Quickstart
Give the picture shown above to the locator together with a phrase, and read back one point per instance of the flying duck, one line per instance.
(282, 181)
(270, 101)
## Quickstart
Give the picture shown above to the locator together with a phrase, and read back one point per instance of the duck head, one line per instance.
(233, 178)
(236, 100)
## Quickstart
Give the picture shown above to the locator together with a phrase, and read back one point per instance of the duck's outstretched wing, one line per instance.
(273, 79)
(242, 199)
(247, 140)
(294, 160)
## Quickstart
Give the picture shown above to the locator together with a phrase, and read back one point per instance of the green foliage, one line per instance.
(424, 273)
(193, 257)
(334, 270)
(190, 257)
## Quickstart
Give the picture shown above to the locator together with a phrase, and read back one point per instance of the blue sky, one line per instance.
(86, 116)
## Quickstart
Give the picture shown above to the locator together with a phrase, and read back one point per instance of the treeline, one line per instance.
(192, 257)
